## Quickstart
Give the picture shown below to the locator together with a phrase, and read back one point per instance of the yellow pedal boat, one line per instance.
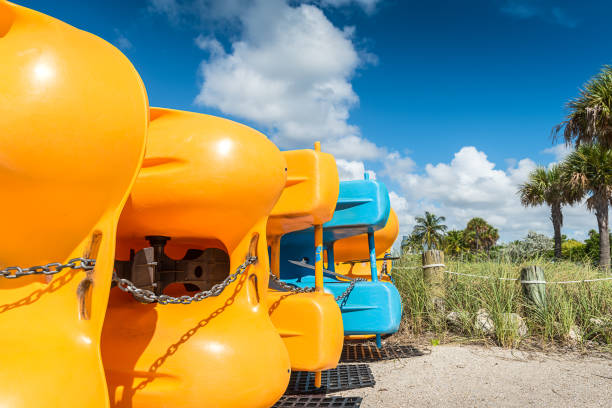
(309, 323)
(207, 184)
(351, 254)
(73, 122)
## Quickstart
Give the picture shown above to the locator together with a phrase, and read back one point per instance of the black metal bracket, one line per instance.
(150, 268)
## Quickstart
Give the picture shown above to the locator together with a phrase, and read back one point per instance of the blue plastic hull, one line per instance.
(370, 308)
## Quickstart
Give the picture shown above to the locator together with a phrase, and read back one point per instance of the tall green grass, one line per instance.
(576, 308)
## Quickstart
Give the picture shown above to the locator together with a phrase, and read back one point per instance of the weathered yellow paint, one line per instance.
(356, 248)
(73, 121)
(309, 198)
(205, 182)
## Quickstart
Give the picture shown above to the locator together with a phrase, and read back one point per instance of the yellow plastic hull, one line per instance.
(73, 122)
(356, 248)
(205, 185)
(310, 324)
(220, 352)
(310, 193)
(361, 337)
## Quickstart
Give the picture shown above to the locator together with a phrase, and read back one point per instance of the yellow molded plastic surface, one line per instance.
(310, 194)
(205, 182)
(356, 248)
(310, 324)
(73, 120)
(360, 337)
(311, 327)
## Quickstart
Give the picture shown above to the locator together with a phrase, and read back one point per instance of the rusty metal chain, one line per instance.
(14, 272)
(147, 296)
(290, 288)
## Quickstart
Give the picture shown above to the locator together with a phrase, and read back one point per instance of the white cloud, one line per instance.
(368, 5)
(471, 186)
(405, 211)
(519, 8)
(210, 44)
(354, 147)
(290, 71)
(353, 170)
(122, 41)
(170, 8)
(472, 179)
(199, 12)
(560, 151)
(562, 18)
(395, 165)
(545, 10)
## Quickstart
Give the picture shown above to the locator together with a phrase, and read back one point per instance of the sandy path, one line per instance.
(471, 376)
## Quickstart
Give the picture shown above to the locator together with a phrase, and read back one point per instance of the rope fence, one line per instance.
(504, 279)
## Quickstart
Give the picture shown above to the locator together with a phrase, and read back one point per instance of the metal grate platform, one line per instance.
(343, 377)
(365, 352)
(318, 401)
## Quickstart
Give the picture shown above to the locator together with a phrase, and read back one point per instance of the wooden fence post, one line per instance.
(434, 275)
(534, 292)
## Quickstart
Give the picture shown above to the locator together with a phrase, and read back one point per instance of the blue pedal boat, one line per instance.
(371, 307)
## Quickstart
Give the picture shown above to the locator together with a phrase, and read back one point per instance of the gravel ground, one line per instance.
(476, 376)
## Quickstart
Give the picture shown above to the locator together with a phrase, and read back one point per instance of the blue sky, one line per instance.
(450, 103)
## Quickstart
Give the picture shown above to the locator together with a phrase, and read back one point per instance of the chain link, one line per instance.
(290, 288)
(147, 296)
(14, 272)
(349, 289)
(308, 289)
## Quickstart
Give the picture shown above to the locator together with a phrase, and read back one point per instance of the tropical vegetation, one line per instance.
(482, 298)
(454, 243)
(429, 230)
(495, 311)
(546, 186)
(479, 235)
(588, 170)
(585, 174)
(429, 233)
(589, 119)
(533, 246)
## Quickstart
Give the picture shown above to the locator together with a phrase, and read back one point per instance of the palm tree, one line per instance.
(590, 114)
(478, 234)
(454, 243)
(429, 230)
(547, 186)
(410, 244)
(589, 171)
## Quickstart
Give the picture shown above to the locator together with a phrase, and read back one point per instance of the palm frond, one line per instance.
(589, 119)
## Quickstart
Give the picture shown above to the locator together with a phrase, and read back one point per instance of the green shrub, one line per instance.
(573, 250)
(532, 246)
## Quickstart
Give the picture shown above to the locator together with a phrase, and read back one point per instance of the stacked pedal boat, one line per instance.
(200, 273)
